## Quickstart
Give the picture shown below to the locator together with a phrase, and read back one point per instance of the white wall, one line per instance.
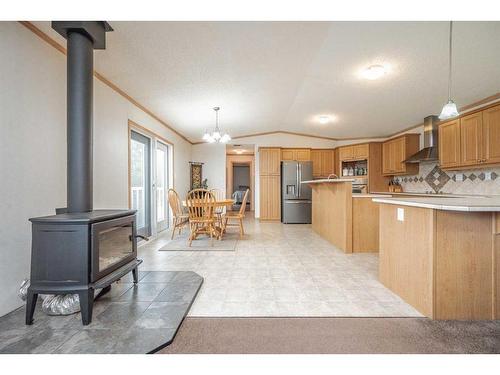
(213, 157)
(33, 147)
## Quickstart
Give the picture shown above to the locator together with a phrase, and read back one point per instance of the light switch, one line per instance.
(459, 177)
(401, 214)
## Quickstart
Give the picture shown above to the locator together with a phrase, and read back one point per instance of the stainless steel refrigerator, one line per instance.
(295, 197)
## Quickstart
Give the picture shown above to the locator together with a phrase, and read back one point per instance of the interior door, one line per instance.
(140, 181)
(161, 187)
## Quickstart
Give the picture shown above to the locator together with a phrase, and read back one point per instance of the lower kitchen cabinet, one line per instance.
(270, 198)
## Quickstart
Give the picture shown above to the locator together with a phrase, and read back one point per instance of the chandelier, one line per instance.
(217, 135)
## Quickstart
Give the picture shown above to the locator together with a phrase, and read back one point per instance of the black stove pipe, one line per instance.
(82, 38)
(80, 66)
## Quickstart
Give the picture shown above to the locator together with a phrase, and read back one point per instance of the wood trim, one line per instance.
(132, 125)
(101, 78)
(481, 102)
(284, 132)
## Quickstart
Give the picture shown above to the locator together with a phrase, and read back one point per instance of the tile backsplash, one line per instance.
(432, 179)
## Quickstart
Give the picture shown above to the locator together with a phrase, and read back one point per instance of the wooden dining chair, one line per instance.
(180, 218)
(201, 208)
(237, 215)
(219, 211)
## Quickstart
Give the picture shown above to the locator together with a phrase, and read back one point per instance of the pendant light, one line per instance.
(450, 108)
(217, 135)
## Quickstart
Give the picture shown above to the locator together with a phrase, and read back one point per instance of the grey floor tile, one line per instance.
(142, 292)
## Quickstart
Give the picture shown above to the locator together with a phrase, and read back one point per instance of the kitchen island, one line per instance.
(348, 221)
(442, 255)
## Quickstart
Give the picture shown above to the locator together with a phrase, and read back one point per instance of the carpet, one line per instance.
(202, 243)
(334, 336)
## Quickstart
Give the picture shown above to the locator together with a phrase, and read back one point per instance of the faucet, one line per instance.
(332, 174)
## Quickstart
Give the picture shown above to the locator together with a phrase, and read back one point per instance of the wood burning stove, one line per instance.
(79, 249)
(79, 253)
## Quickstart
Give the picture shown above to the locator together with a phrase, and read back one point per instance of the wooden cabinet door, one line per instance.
(399, 155)
(269, 161)
(303, 155)
(270, 197)
(471, 128)
(316, 157)
(360, 152)
(287, 155)
(346, 153)
(327, 162)
(491, 135)
(387, 157)
(449, 144)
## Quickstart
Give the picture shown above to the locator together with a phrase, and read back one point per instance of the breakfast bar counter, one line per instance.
(442, 255)
(348, 221)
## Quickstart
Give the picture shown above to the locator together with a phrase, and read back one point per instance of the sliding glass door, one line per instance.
(140, 181)
(161, 186)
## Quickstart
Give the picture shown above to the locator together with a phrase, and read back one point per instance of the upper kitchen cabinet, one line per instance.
(395, 151)
(449, 144)
(491, 135)
(354, 152)
(470, 141)
(323, 162)
(269, 161)
(471, 129)
(297, 154)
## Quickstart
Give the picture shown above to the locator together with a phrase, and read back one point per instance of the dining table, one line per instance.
(228, 202)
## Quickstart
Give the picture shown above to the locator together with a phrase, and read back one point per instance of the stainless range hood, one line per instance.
(430, 150)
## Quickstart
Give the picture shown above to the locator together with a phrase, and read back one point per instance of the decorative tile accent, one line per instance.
(432, 178)
(436, 179)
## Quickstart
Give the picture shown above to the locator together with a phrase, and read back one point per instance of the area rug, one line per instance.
(202, 243)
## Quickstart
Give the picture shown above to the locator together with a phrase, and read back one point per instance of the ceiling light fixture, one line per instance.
(374, 72)
(449, 109)
(217, 135)
(324, 119)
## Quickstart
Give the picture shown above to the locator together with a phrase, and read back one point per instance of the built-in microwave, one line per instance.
(359, 188)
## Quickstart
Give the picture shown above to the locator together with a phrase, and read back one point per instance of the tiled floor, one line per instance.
(129, 319)
(281, 270)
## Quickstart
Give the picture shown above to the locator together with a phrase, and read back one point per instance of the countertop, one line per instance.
(332, 180)
(464, 204)
(369, 195)
(441, 195)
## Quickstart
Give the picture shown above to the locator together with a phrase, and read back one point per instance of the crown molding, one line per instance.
(102, 78)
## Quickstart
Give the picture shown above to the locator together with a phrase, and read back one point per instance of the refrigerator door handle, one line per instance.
(298, 202)
(297, 184)
(300, 179)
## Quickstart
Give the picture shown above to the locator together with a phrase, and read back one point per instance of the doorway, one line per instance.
(240, 174)
(140, 181)
(150, 177)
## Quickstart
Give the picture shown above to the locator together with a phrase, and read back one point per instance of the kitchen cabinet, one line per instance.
(316, 162)
(270, 197)
(270, 183)
(354, 152)
(396, 150)
(471, 141)
(346, 153)
(298, 154)
(471, 129)
(323, 162)
(269, 161)
(491, 135)
(449, 144)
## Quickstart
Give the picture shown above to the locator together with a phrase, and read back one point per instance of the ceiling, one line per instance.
(239, 149)
(271, 76)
